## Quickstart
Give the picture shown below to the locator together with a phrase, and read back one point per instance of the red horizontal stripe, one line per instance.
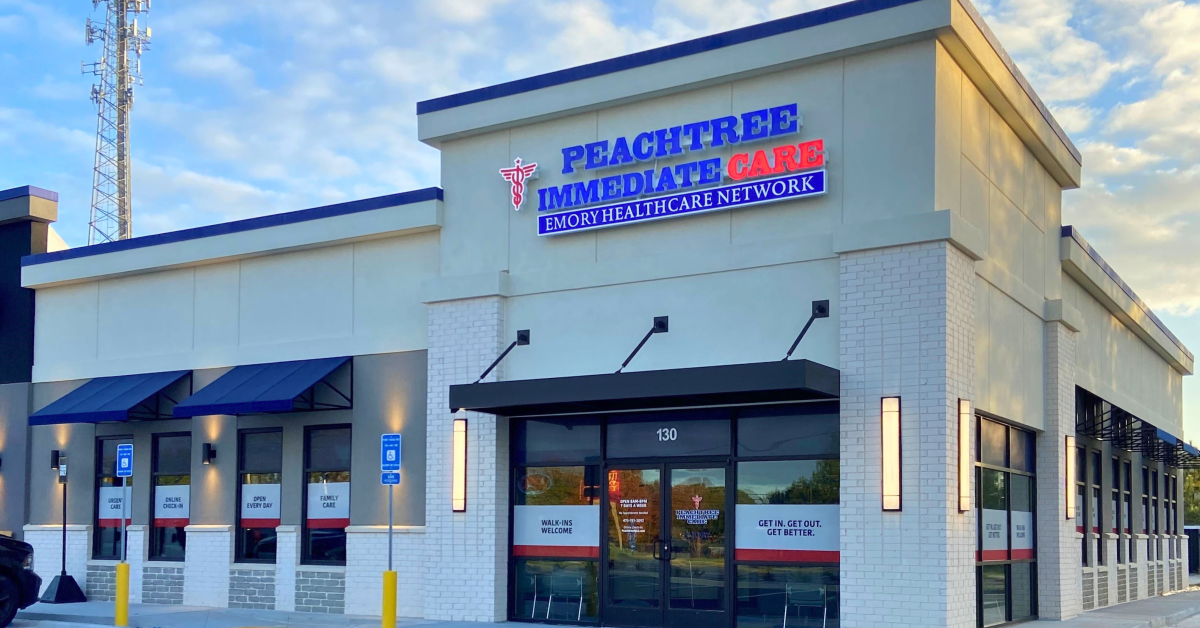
(992, 555)
(260, 523)
(1022, 554)
(112, 523)
(326, 524)
(788, 556)
(557, 551)
(1079, 529)
(170, 523)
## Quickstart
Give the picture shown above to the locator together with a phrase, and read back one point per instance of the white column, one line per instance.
(907, 329)
(1059, 560)
(137, 561)
(47, 542)
(287, 557)
(366, 560)
(206, 565)
(467, 551)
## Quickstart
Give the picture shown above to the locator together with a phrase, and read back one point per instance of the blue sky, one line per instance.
(251, 108)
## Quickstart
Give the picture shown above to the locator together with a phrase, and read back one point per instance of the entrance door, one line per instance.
(666, 547)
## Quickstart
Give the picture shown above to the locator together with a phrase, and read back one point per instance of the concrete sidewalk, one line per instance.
(1155, 612)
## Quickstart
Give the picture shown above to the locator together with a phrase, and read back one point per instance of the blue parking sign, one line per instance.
(389, 452)
(389, 479)
(124, 461)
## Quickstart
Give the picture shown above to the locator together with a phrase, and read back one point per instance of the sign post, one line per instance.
(125, 472)
(389, 464)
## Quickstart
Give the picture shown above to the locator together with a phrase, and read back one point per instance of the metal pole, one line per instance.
(64, 530)
(391, 491)
(125, 523)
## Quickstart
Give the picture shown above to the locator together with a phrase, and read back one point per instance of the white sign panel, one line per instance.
(260, 505)
(995, 535)
(108, 511)
(561, 531)
(787, 532)
(328, 505)
(172, 506)
(1022, 535)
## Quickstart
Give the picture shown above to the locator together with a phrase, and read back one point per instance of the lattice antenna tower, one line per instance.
(119, 68)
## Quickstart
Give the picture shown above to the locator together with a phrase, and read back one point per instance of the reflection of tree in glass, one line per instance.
(821, 487)
(556, 486)
(993, 491)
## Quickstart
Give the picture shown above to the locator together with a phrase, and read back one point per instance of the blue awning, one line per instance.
(302, 385)
(121, 398)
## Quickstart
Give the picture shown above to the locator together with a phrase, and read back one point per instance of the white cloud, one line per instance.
(1103, 158)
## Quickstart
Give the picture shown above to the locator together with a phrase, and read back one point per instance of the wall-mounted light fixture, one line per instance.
(458, 487)
(1071, 476)
(54, 457)
(208, 453)
(964, 455)
(890, 433)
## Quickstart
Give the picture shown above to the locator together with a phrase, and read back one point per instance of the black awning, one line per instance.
(763, 382)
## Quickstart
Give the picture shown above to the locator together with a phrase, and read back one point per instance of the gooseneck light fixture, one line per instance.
(1070, 459)
(890, 433)
(458, 484)
(964, 455)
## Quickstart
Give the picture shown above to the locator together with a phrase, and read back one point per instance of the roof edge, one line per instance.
(28, 190)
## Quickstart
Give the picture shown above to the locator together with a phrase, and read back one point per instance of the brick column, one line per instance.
(47, 551)
(366, 560)
(138, 550)
(466, 576)
(1060, 589)
(907, 329)
(287, 557)
(206, 565)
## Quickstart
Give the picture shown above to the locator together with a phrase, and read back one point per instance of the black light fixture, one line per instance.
(208, 453)
(522, 340)
(661, 326)
(820, 309)
(54, 455)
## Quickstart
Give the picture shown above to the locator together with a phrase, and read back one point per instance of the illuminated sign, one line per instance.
(751, 176)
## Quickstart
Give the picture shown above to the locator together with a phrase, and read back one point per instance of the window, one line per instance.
(1115, 508)
(649, 435)
(1094, 505)
(260, 467)
(1146, 511)
(1081, 509)
(170, 495)
(1154, 521)
(1127, 493)
(108, 539)
(1006, 574)
(327, 495)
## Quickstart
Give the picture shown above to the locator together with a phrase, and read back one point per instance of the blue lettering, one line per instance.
(666, 181)
(753, 127)
(643, 146)
(724, 131)
(554, 197)
(710, 170)
(632, 184)
(685, 172)
(668, 141)
(596, 152)
(620, 153)
(585, 193)
(610, 187)
(571, 154)
(784, 120)
(696, 131)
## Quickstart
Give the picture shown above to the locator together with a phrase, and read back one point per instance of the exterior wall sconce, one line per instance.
(54, 457)
(458, 487)
(1071, 477)
(890, 433)
(964, 455)
(208, 453)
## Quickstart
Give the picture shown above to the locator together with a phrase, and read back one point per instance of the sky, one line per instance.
(251, 108)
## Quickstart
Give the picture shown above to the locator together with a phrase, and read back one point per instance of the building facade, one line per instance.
(777, 325)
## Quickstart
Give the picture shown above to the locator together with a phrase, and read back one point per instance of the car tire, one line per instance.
(10, 600)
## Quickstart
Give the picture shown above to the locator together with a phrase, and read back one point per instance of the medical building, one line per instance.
(775, 327)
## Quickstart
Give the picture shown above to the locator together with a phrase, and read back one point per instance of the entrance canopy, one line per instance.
(762, 382)
(147, 396)
(1099, 419)
(299, 386)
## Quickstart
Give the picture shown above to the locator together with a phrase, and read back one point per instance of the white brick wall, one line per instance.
(467, 552)
(138, 550)
(1059, 584)
(907, 328)
(47, 551)
(206, 565)
(287, 558)
(366, 560)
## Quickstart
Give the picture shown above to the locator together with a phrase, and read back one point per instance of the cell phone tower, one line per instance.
(119, 67)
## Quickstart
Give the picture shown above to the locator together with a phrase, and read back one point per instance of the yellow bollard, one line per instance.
(389, 599)
(122, 605)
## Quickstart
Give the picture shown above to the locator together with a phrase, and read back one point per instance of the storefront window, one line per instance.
(327, 495)
(805, 596)
(1006, 571)
(108, 538)
(1146, 511)
(171, 495)
(1081, 501)
(260, 466)
(1115, 508)
(1096, 469)
(655, 434)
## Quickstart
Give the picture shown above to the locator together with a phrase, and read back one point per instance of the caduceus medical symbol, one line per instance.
(696, 499)
(518, 175)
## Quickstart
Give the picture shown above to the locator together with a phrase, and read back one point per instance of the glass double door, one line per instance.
(666, 546)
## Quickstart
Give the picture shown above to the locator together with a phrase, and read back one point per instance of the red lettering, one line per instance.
(737, 166)
(760, 165)
(785, 158)
(812, 154)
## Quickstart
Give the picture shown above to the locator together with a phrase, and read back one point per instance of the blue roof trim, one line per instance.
(1069, 231)
(258, 388)
(105, 399)
(665, 53)
(237, 226)
(28, 190)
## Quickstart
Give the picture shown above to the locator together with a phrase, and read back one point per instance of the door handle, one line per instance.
(666, 550)
(654, 550)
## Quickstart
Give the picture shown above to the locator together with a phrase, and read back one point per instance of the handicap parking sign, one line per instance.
(389, 452)
(124, 461)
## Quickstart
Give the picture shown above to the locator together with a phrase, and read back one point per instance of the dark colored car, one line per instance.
(19, 586)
